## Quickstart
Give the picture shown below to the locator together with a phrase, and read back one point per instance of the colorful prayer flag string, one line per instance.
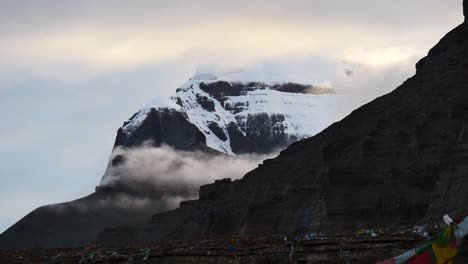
(441, 249)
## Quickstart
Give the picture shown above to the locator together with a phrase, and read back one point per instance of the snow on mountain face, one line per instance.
(269, 116)
(157, 103)
(204, 116)
(305, 114)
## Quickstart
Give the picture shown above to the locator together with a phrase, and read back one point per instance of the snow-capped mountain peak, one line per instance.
(237, 117)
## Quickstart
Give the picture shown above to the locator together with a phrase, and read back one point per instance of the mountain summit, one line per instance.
(231, 117)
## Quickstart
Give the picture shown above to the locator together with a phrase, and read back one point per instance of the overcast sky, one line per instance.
(71, 72)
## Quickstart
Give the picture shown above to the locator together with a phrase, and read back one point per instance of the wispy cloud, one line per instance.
(120, 34)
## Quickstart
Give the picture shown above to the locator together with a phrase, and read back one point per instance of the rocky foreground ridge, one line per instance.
(363, 246)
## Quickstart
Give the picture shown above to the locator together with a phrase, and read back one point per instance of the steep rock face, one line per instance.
(162, 126)
(400, 159)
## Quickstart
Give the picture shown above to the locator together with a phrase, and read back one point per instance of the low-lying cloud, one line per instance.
(169, 175)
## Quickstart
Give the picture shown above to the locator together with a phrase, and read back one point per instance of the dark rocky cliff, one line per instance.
(163, 126)
(401, 159)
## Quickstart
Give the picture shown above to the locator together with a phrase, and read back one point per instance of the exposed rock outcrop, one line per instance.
(162, 126)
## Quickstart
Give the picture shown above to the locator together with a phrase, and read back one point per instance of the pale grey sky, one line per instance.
(71, 72)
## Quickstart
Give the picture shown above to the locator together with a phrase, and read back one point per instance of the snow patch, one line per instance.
(159, 102)
(305, 114)
(202, 118)
(163, 102)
